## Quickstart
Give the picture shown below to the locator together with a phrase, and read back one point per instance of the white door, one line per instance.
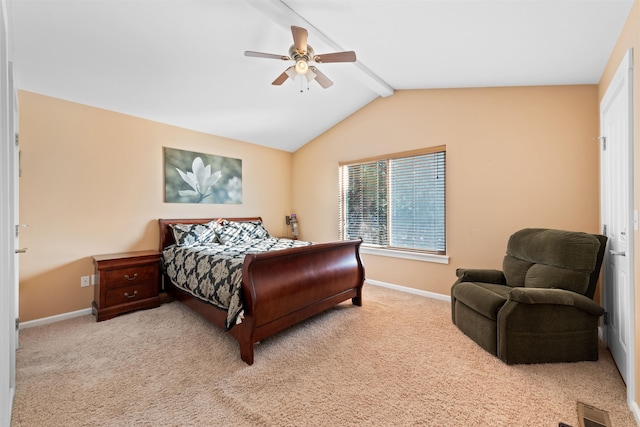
(617, 217)
(8, 262)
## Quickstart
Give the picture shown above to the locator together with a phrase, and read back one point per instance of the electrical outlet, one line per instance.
(85, 281)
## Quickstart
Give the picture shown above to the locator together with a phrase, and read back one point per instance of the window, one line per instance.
(396, 202)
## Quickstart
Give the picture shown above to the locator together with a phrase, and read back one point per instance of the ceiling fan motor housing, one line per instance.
(302, 59)
(294, 54)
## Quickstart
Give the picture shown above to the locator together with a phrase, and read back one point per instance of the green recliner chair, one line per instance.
(540, 307)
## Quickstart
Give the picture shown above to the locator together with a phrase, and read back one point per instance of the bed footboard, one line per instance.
(282, 288)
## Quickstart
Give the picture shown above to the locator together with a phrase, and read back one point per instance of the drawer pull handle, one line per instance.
(126, 294)
(126, 276)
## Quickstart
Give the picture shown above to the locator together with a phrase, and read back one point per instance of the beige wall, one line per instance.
(630, 39)
(516, 157)
(92, 183)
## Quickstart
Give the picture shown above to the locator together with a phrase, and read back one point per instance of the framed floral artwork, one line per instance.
(192, 177)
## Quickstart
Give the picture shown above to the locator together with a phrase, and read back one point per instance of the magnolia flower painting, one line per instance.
(201, 178)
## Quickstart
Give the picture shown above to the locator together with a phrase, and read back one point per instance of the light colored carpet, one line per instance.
(397, 360)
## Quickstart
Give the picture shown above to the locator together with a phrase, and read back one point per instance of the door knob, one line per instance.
(620, 253)
(21, 250)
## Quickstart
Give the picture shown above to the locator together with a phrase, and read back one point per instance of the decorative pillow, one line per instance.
(233, 232)
(190, 234)
(255, 229)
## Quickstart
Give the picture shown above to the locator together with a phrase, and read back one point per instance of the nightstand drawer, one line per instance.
(130, 276)
(129, 294)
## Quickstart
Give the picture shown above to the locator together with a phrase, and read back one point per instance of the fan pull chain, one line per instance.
(302, 80)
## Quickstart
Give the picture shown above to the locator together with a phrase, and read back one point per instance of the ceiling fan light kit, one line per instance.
(302, 53)
(302, 66)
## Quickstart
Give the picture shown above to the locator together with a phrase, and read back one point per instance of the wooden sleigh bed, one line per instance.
(279, 288)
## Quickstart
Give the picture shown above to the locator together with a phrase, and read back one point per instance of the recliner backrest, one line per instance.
(547, 258)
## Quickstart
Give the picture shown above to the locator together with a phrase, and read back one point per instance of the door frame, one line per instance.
(624, 71)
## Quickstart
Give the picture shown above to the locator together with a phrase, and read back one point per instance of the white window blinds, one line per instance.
(397, 202)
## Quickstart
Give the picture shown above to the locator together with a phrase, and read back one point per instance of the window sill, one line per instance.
(416, 256)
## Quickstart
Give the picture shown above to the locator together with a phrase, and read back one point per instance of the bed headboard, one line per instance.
(166, 235)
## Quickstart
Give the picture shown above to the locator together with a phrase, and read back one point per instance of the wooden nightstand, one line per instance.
(125, 282)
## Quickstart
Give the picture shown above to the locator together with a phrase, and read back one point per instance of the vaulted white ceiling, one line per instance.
(182, 62)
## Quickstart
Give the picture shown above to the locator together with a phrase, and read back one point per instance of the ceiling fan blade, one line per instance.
(300, 36)
(321, 78)
(282, 77)
(349, 56)
(310, 75)
(266, 55)
(291, 72)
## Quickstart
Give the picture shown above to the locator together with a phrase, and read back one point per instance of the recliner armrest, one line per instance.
(557, 297)
(481, 275)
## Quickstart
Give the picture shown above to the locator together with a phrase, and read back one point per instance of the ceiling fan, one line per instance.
(302, 54)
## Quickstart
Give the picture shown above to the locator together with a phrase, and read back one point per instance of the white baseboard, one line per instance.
(84, 312)
(635, 410)
(56, 318)
(410, 290)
